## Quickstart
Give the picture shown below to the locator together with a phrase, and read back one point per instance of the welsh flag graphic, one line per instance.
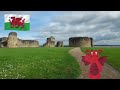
(17, 22)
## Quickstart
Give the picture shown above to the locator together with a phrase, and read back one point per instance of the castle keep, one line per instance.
(12, 41)
(80, 42)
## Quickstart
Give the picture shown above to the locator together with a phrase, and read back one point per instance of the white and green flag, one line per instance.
(17, 22)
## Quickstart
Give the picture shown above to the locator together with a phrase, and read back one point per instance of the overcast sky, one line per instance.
(102, 26)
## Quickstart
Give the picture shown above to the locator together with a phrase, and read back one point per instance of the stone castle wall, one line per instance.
(12, 41)
(59, 44)
(80, 42)
(50, 42)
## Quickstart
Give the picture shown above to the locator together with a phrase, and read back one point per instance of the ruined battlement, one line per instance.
(50, 42)
(12, 41)
(12, 34)
(59, 44)
(80, 42)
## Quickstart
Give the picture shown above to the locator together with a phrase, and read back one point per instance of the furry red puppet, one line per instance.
(96, 62)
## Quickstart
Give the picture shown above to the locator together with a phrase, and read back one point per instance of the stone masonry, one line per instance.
(50, 42)
(80, 42)
(59, 44)
(13, 42)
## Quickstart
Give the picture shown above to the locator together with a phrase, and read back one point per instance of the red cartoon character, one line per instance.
(96, 62)
(17, 22)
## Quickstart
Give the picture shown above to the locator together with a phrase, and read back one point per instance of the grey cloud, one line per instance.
(108, 42)
(106, 37)
(102, 26)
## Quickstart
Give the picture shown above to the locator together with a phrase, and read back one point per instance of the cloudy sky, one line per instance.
(102, 26)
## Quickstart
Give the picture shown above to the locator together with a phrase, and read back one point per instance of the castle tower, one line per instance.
(50, 42)
(59, 44)
(80, 42)
(12, 39)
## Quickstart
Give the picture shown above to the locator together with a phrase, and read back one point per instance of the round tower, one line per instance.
(80, 42)
(12, 40)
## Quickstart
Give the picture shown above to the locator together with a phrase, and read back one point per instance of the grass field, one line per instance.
(112, 53)
(37, 63)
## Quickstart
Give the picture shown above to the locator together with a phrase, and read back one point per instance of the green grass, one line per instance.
(112, 53)
(26, 27)
(37, 63)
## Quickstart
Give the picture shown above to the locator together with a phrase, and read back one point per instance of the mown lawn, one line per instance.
(37, 63)
(112, 53)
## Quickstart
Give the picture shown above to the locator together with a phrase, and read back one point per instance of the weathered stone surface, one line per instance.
(12, 41)
(3, 42)
(3, 39)
(28, 43)
(80, 42)
(50, 42)
(59, 44)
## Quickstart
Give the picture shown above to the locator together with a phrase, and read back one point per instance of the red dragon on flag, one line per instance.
(16, 22)
(96, 62)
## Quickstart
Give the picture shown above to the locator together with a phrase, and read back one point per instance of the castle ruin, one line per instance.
(59, 44)
(80, 42)
(50, 42)
(13, 42)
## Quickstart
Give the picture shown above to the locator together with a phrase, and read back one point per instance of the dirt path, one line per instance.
(108, 71)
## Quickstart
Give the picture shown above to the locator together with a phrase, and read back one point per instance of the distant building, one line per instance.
(13, 42)
(59, 44)
(50, 42)
(80, 42)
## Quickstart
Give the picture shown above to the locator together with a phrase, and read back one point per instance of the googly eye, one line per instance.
(96, 53)
(91, 53)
